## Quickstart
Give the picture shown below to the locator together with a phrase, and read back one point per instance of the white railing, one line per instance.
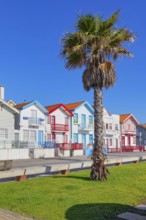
(35, 121)
(86, 126)
(26, 144)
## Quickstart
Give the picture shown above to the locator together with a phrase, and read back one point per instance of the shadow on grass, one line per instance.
(73, 177)
(99, 211)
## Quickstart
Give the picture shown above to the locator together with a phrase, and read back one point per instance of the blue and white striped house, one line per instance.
(82, 127)
(31, 129)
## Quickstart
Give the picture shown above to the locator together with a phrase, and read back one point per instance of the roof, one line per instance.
(21, 105)
(72, 106)
(52, 108)
(11, 108)
(143, 125)
(24, 105)
(125, 117)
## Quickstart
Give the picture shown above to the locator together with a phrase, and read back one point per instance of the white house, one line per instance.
(31, 124)
(82, 126)
(7, 122)
(112, 137)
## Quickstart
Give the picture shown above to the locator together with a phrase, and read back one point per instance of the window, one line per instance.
(53, 120)
(128, 127)
(134, 127)
(25, 135)
(110, 126)
(90, 138)
(75, 118)
(128, 141)
(48, 137)
(66, 121)
(90, 120)
(29, 135)
(134, 140)
(116, 127)
(106, 126)
(49, 119)
(123, 141)
(65, 138)
(3, 133)
(75, 138)
(54, 136)
(32, 135)
(111, 142)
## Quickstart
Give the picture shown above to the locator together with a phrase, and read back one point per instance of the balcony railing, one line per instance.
(132, 148)
(109, 132)
(83, 126)
(76, 146)
(35, 121)
(59, 127)
(69, 146)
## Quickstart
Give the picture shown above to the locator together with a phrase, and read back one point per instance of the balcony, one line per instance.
(35, 121)
(110, 132)
(129, 131)
(85, 127)
(59, 127)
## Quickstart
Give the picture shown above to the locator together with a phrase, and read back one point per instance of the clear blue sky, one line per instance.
(30, 65)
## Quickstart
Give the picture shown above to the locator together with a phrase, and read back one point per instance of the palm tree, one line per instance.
(93, 46)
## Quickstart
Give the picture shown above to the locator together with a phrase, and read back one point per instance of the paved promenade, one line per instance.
(40, 166)
(62, 160)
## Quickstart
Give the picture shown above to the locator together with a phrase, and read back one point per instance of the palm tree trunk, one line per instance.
(98, 169)
(98, 121)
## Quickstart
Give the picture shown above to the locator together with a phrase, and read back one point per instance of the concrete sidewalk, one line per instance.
(139, 213)
(39, 166)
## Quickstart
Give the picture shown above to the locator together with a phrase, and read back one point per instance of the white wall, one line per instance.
(14, 154)
(24, 123)
(7, 121)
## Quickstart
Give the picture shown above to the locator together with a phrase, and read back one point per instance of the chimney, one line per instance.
(2, 92)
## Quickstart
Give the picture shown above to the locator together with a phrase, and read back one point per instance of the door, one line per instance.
(40, 137)
(84, 141)
(16, 142)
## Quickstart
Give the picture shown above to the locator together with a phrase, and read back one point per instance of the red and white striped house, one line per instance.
(128, 132)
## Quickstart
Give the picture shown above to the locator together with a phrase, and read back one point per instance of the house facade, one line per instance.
(141, 135)
(7, 124)
(82, 125)
(128, 130)
(111, 131)
(31, 124)
(58, 125)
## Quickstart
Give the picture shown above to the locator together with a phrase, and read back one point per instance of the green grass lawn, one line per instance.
(74, 197)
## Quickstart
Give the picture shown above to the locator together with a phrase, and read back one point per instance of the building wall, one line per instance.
(25, 115)
(128, 133)
(60, 119)
(7, 121)
(141, 136)
(84, 133)
(111, 130)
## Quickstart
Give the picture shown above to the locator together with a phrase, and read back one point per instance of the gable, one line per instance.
(80, 105)
(63, 108)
